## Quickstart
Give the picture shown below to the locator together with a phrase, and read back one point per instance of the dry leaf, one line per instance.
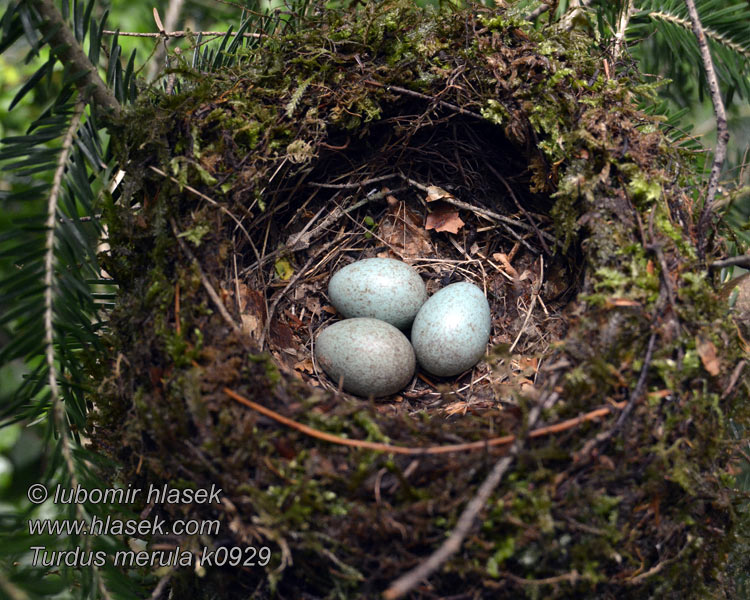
(437, 193)
(444, 218)
(281, 335)
(305, 366)
(502, 258)
(456, 408)
(403, 233)
(251, 325)
(707, 352)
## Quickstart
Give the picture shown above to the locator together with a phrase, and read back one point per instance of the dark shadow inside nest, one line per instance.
(451, 198)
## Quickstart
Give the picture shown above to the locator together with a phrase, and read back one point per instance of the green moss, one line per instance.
(249, 137)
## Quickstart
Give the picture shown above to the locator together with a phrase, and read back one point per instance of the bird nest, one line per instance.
(588, 454)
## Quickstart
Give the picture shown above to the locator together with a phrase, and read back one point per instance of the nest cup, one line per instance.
(476, 149)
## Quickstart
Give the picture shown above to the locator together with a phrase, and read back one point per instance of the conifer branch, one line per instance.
(49, 268)
(711, 34)
(722, 132)
(64, 44)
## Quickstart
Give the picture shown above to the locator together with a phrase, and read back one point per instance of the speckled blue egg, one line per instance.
(380, 288)
(451, 330)
(373, 357)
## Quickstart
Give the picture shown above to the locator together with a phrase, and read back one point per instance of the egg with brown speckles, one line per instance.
(372, 357)
(379, 288)
(451, 330)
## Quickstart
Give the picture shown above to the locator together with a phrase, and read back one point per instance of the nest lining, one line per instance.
(363, 213)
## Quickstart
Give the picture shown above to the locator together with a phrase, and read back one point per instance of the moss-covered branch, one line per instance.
(69, 51)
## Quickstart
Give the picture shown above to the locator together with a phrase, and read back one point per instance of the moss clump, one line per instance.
(629, 508)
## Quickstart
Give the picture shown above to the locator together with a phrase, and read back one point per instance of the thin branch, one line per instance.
(538, 12)
(204, 280)
(407, 92)
(622, 25)
(722, 132)
(69, 52)
(733, 261)
(404, 584)
(173, 15)
(429, 450)
(13, 592)
(58, 408)
(176, 34)
(59, 415)
(161, 586)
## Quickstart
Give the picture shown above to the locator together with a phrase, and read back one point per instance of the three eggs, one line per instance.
(369, 354)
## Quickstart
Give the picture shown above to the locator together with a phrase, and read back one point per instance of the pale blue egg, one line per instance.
(451, 330)
(373, 357)
(380, 288)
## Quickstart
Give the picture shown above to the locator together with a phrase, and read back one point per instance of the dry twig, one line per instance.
(204, 280)
(447, 449)
(733, 261)
(722, 132)
(404, 584)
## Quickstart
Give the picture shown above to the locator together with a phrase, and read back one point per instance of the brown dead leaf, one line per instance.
(293, 320)
(707, 352)
(456, 408)
(437, 193)
(281, 335)
(403, 233)
(306, 366)
(252, 311)
(502, 258)
(251, 325)
(444, 218)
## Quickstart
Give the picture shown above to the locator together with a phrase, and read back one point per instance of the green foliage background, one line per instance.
(659, 43)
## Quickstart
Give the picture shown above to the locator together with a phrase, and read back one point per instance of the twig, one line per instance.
(519, 206)
(407, 92)
(534, 298)
(207, 199)
(353, 185)
(659, 566)
(534, 15)
(176, 34)
(622, 26)
(159, 589)
(69, 52)
(447, 449)
(722, 132)
(734, 379)
(204, 281)
(485, 213)
(733, 261)
(303, 239)
(404, 584)
(639, 385)
(629, 405)
(571, 577)
(173, 14)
